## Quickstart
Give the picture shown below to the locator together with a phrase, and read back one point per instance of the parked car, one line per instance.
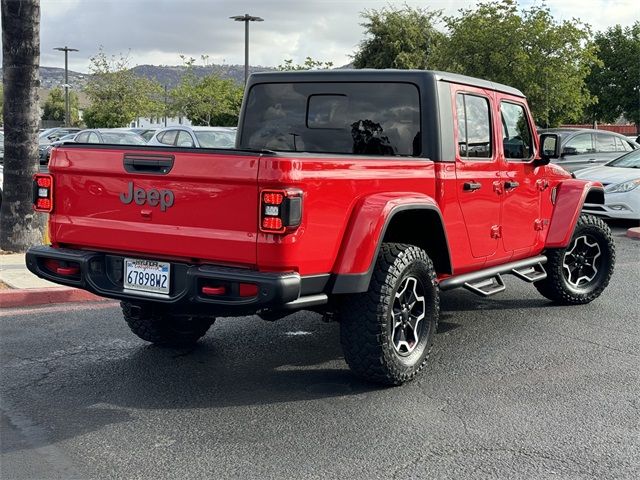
(111, 136)
(583, 147)
(198, 137)
(145, 133)
(101, 135)
(44, 149)
(358, 194)
(634, 138)
(621, 180)
(1, 146)
(1, 182)
(52, 134)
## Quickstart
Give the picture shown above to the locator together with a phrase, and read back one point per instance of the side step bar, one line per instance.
(489, 281)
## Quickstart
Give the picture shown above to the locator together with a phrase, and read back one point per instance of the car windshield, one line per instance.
(123, 138)
(216, 139)
(630, 160)
(45, 133)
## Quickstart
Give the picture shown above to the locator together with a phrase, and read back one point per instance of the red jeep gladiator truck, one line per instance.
(360, 195)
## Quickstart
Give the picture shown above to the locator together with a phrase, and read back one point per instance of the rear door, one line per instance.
(577, 152)
(521, 197)
(606, 148)
(173, 204)
(477, 169)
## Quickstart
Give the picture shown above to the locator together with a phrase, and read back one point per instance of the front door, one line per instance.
(477, 169)
(520, 182)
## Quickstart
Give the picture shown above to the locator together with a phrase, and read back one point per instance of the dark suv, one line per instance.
(583, 147)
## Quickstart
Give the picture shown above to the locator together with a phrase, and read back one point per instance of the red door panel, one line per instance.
(477, 169)
(521, 198)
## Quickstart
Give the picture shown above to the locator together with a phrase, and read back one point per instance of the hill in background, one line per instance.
(51, 77)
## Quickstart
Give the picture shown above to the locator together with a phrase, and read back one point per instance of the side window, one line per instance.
(83, 137)
(168, 137)
(93, 138)
(605, 143)
(474, 126)
(579, 145)
(184, 139)
(622, 145)
(516, 133)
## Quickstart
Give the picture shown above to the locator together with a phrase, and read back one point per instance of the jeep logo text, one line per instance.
(153, 197)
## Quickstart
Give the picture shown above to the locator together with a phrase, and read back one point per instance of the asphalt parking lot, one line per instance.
(516, 388)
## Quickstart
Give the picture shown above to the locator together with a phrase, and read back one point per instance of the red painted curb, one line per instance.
(634, 232)
(26, 297)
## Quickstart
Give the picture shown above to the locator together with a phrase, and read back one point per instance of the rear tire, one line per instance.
(579, 273)
(387, 332)
(164, 329)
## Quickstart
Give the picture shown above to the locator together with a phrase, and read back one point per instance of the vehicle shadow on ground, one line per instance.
(245, 362)
(463, 301)
(241, 362)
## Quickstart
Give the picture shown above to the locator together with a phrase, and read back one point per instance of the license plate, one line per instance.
(147, 275)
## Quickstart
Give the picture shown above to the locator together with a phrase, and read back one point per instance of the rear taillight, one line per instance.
(42, 192)
(280, 210)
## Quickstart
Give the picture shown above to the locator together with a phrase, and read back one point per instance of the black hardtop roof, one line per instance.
(375, 75)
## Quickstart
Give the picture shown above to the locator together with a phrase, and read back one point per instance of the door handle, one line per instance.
(471, 186)
(155, 164)
(592, 160)
(510, 184)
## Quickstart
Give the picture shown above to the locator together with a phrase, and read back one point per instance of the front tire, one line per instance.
(164, 329)
(579, 273)
(387, 332)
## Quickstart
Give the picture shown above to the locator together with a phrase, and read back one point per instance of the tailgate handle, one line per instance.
(153, 164)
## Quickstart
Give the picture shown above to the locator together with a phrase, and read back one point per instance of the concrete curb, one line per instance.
(26, 297)
(634, 233)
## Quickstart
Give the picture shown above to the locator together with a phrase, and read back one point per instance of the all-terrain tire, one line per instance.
(164, 329)
(368, 333)
(561, 285)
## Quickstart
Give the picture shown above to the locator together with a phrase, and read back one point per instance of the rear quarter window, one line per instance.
(380, 118)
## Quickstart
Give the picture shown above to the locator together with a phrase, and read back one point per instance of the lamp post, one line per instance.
(67, 107)
(246, 18)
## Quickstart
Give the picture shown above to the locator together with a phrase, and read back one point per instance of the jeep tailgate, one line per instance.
(156, 202)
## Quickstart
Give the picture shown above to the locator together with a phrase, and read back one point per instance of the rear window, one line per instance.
(212, 139)
(117, 138)
(342, 118)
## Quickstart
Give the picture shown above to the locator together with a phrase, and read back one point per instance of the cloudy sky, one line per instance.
(158, 31)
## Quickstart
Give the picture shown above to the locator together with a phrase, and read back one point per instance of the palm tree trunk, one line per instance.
(20, 226)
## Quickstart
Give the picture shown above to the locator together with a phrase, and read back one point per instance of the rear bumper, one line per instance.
(102, 274)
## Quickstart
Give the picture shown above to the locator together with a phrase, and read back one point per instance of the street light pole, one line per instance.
(246, 18)
(67, 107)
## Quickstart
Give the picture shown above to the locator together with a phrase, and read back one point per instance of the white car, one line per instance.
(621, 180)
(195, 137)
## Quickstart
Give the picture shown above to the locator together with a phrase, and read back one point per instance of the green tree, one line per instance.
(398, 38)
(117, 95)
(309, 64)
(54, 106)
(615, 80)
(547, 60)
(20, 226)
(209, 100)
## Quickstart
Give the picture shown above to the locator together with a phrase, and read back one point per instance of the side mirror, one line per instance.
(549, 148)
